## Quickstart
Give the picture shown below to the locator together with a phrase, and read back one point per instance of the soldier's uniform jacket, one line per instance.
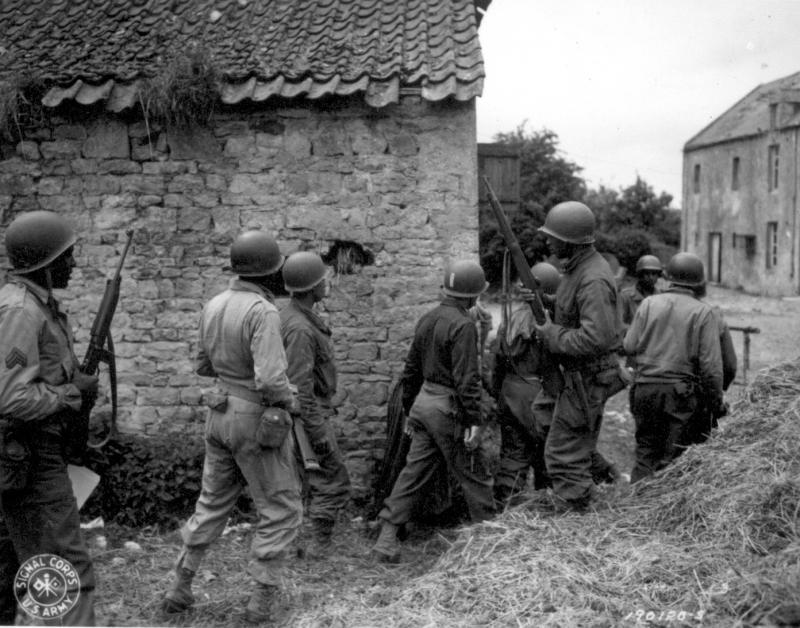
(630, 299)
(311, 369)
(587, 328)
(675, 337)
(37, 358)
(445, 352)
(518, 341)
(240, 342)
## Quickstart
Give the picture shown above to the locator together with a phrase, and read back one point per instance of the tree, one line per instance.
(635, 221)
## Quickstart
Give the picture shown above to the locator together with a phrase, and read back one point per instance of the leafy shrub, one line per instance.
(146, 480)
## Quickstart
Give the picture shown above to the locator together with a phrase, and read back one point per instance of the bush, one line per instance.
(146, 480)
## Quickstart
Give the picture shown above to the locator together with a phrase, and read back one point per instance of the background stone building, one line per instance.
(344, 127)
(740, 192)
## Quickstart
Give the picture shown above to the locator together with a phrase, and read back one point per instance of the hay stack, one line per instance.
(713, 539)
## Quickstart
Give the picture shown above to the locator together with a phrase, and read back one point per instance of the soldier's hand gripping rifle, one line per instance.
(552, 377)
(101, 347)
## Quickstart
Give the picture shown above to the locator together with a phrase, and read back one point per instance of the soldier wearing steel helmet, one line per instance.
(648, 272)
(312, 370)
(240, 345)
(674, 341)
(584, 336)
(441, 395)
(523, 426)
(41, 391)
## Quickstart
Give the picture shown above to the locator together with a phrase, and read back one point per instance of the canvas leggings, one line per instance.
(438, 442)
(274, 485)
(329, 488)
(43, 519)
(571, 455)
(521, 445)
(662, 412)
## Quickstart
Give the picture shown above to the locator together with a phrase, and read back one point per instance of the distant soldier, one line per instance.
(674, 340)
(441, 395)
(648, 272)
(584, 336)
(705, 420)
(518, 364)
(240, 344)
(41, 393)
(312, 370)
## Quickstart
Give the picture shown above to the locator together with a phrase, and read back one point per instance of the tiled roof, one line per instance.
(750, 116)
(88, 50)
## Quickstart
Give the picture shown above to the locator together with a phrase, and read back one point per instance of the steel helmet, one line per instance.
(254, 254)
(686, 269)
(35, 239)
(547, 275)
(302, 271)
(648, 262)
(464, 278)
(570, 221)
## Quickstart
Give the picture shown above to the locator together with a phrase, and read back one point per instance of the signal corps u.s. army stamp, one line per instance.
(47, 586)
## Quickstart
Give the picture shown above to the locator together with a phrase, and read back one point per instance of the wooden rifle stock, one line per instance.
(552, 377)
(304, 448)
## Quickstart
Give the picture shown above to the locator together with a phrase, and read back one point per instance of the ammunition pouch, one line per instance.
(273, 427)
(16, 458)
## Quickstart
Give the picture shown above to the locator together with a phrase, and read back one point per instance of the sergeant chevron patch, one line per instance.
(16, 357)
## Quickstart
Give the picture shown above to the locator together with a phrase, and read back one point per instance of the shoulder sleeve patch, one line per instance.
(16, 357)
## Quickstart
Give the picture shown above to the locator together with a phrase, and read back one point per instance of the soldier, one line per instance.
(42, 393)
(674, 340)
(705, 420)
(517, 362)
(584, 336)
(648, 271)
(441, 396)
(312, 370)
(240, 344)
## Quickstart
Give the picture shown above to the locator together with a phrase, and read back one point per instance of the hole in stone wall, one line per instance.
(347, 257)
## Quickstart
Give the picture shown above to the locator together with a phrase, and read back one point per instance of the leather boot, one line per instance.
(179, 597)
(387, 547)
(261, 605)
(321, 538)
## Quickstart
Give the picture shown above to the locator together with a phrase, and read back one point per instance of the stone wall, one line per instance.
(400, 183)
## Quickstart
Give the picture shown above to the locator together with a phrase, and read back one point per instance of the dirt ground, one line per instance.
(131, 582)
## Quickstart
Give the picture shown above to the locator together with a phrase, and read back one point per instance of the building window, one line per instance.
(696, 179)
(772, 166)
(746, 242)
(735, 174)
(773, 115)
(772, 244)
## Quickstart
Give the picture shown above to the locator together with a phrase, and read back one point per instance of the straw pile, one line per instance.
(711, 539)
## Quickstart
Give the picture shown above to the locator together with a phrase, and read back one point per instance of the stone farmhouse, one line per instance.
(345, 127)
(740, 192)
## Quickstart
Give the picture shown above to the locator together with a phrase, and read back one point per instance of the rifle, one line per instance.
(304, 448)
(101, 347)
(552, 378)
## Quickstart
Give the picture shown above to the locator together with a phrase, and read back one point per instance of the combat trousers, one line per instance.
(273, 481)
(43, 519)
(521, 447)
(329, 488)
(571, 455)
(438, 442)
(662, 412)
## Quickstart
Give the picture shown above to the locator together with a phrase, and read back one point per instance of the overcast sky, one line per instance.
(626, 83)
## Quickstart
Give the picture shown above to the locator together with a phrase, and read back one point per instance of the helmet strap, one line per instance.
(51, 301)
